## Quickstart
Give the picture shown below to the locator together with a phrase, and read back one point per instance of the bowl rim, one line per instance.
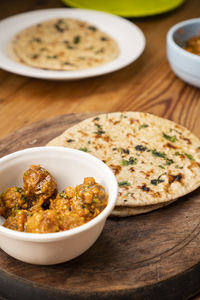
(49, 237)
(172, 43)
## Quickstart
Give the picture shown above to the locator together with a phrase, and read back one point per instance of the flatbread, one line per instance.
(123, 211)
(63, 44)
(155, 160)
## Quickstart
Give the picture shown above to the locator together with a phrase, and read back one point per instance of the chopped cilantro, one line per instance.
(162, 167)
(140, 148)
(70, 47)
(99, 129)
(170, 138)
(63, 195)
(124, 183)
(145, 188)
(51, 56)
(173, 129)
(186, 154)
(84, 149)
(143, 126)
(77, 39)
(36, 39)
(95, 200)
(131, 161)
(178, 167)
(169, 161)
(162, 155)
(69, 64)
(189, 156)
(177, 153)
(126, 151)
(103, 38)
(101, 50)
(124, 162)
(60, 26)
(19, 190)
(158, 154)
(157, 180)
(92, 28)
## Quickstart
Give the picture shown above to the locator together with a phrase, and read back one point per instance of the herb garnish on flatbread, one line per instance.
(155, 160)
(64, 44)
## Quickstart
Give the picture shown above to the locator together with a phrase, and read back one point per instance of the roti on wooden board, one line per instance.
(124, 211)
(155, 160)
(63, 44)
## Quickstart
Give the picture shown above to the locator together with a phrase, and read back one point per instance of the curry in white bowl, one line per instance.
(38, 207)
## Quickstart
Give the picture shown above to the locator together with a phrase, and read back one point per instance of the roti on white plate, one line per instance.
(63, 44)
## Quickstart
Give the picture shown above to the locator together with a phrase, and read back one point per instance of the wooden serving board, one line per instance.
(151, 256)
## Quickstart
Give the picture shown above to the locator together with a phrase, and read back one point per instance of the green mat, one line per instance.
(127, 8)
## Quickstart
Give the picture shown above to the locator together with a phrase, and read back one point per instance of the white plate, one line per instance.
(130, 39)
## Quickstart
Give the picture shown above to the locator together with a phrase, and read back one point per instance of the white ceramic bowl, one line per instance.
(185, 65)
(69, 167)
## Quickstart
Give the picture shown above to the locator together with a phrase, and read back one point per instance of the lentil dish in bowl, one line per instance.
(68, 226)
(183, 61)
(192, 45)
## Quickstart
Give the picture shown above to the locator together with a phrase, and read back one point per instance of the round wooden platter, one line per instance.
(150, 256)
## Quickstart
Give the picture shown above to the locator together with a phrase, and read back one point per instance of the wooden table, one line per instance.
(146, 85)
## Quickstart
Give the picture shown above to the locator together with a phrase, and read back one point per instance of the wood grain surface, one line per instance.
(151, 256)
(147, 85)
